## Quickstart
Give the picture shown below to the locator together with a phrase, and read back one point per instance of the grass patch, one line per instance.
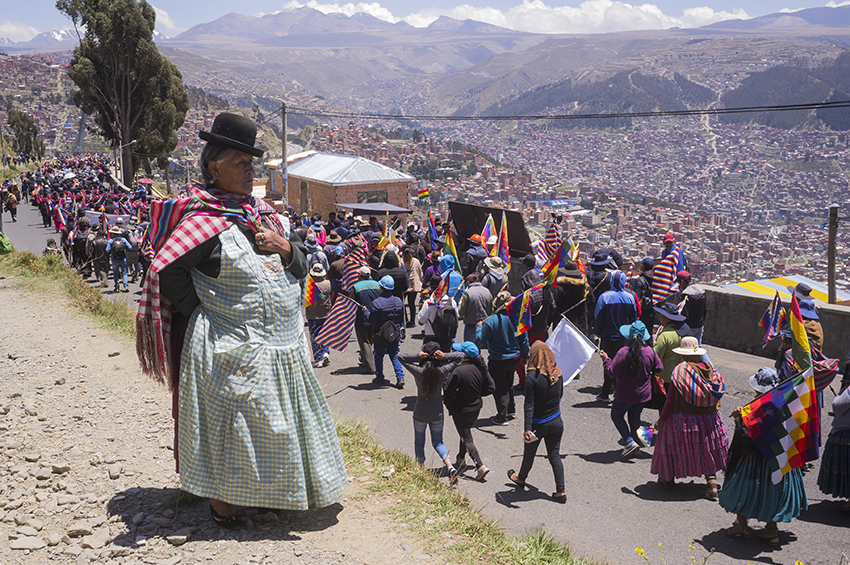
(439, 514)
(48, 274)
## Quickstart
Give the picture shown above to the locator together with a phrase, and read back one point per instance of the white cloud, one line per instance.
(834, 4)
(790, 10)
(165, 23)
(349, 9)
(16, 31)
(591, 16)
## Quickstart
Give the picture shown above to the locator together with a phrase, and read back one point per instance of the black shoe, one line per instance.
(379, 381)
(228, 522)
(399, 383)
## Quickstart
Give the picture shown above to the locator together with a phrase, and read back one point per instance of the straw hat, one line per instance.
(689, 347)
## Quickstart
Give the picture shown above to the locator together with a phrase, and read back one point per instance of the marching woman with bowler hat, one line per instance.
(220, 322)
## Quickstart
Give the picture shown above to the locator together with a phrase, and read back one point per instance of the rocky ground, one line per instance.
(87, 468)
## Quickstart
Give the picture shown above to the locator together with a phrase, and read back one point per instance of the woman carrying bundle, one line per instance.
(748, 490)
(692, 440)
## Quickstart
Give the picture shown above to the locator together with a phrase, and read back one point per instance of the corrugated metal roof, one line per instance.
(344, 170)
(768, 287)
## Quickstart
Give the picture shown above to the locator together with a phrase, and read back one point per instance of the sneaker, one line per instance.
(326, 360)
(453, 476)
(499, 421)
(600, 398)
(630, 450)
(125, 289)
(399, 383)
(481, 472)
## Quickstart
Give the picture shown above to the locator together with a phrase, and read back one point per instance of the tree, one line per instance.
(130, 89)
(26, 134)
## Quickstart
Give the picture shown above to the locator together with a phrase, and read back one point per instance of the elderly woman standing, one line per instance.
(692, 440)
(220, 322)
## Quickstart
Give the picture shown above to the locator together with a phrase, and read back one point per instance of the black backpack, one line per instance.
(119, 250)
(445, 323)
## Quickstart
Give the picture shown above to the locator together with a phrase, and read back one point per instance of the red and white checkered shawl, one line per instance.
(192, 227)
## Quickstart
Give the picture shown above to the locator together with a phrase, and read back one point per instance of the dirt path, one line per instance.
(88, 471)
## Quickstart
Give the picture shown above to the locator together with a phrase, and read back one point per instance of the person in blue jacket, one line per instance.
(615, 308)
(387, 308)
(447, 264)
(498, 334)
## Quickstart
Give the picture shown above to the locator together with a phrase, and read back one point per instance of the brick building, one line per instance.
(317, 182)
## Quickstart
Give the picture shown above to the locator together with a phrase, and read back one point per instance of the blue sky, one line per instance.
(20, 21)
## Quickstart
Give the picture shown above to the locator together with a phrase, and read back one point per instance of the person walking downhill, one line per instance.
(692, 439)
(475, 306)
(365, 290)
(429, 368)
(414, 283)
(632, 369)
(498, 334)
(116, 248)
(614, 309)
(748, 490)
(386, 314)
(317, 313)
(464, 387)
(544, 387)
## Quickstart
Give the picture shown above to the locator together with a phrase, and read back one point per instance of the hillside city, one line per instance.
(745, 201)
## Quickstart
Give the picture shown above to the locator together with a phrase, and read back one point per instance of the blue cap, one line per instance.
(629, 331)
(387, 282)
(467, 347)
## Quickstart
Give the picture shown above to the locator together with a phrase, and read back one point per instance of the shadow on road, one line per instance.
(513, 495)
(604, 457)
(827, 512)
(745, 550)
(680, 492)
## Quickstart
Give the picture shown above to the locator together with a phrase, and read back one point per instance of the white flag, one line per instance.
(571, 348)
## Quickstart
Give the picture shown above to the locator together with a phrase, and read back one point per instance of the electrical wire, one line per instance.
(655, 114)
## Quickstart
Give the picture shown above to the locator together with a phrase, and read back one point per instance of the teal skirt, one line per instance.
(834, 476)
(750, 492)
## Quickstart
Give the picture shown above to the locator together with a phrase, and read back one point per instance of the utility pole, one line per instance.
(283, 190)
(830, 253)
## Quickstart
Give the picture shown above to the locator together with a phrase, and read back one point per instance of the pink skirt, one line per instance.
(690, 445)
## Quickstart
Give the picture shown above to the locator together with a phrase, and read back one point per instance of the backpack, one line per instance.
(445, 323)
(119, 250)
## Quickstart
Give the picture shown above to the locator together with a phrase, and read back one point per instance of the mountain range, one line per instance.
(466, 67)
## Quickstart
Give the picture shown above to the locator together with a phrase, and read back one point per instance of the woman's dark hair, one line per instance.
(634, 358)
(430, 378)
(212, 154)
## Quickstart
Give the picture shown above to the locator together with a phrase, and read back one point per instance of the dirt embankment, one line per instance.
(87, 473)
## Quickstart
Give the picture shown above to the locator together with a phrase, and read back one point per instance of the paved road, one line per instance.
(613, 506)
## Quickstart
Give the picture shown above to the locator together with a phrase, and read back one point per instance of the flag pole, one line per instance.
(581, 333)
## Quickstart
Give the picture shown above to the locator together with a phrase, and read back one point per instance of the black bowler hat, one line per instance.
(235, 132)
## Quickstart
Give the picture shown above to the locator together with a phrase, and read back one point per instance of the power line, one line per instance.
(657, 114)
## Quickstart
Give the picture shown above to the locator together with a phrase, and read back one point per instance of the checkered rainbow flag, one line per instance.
(784, 422)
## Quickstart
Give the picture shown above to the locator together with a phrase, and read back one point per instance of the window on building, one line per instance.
(370, 196)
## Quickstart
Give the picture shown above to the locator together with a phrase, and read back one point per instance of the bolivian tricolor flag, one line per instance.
(423, 193)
